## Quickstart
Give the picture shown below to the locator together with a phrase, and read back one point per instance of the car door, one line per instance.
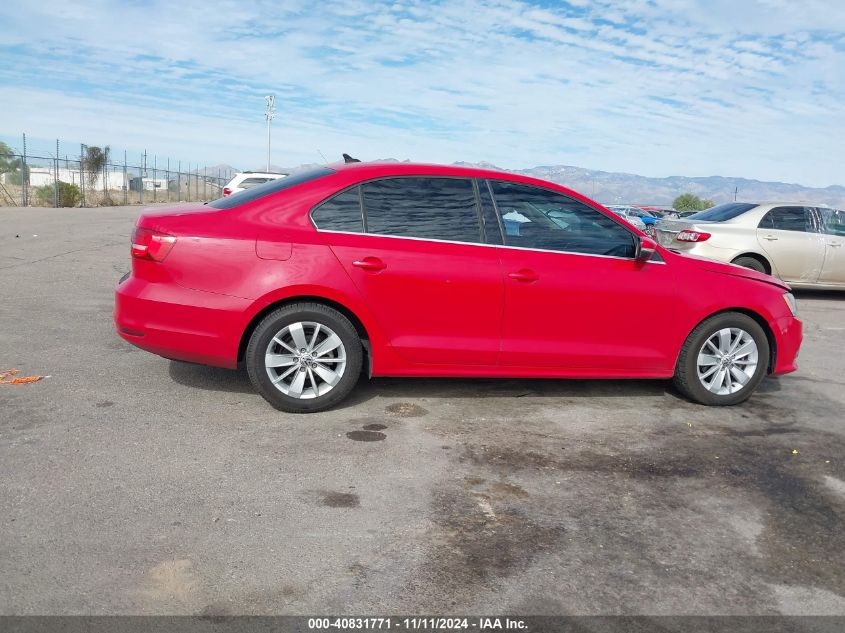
(833, 230)
(790, 237)
(571, 281)
(417, 256)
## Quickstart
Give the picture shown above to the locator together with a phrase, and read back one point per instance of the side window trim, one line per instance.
(363, 209)
(479, 183)
(479, 212)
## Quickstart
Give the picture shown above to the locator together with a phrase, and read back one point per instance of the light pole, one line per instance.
(269, 114)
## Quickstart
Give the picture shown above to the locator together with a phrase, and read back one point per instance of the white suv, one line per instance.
(248, 179)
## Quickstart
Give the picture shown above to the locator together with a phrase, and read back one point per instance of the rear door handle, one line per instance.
(373, 264)
(771, 238)
(834, 244)
(524, 274)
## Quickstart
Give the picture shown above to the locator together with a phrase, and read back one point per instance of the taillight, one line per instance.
(227, 191)
(692, 236)
(152, 245)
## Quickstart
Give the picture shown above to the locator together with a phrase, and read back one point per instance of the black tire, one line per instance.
(750, 262)
(274, 323)
(686, 371)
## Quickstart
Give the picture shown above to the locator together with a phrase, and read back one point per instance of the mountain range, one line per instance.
(621, 188)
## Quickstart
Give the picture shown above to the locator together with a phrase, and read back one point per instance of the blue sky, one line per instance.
(752, 88)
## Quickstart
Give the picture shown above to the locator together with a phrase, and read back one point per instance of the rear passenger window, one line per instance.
(422, 207)
(786, 219)
(341, 213)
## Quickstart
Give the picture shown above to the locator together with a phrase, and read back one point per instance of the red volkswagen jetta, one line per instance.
(424, 270)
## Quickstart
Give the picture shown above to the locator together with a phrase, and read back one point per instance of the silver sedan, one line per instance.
(802, 244)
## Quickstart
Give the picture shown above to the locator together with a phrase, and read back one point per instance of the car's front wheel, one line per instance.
(723, 360)
(750, 262)
(304, 357)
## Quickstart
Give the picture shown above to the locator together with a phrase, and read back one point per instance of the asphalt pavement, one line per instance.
(131, 484)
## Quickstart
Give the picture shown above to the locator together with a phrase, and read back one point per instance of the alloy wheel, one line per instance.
(305, 360)
(727, 361)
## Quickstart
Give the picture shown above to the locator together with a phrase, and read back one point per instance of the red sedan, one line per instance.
(425, 270)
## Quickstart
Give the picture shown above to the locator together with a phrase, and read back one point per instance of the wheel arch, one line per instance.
(760, 258)
(360, 328)
(759, 319)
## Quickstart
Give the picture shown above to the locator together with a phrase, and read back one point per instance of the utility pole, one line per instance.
(269, 114)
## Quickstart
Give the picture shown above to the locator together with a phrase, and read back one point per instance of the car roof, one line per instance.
(364, 170)
(395, 169)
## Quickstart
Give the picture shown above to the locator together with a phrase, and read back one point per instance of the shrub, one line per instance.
(69, 195)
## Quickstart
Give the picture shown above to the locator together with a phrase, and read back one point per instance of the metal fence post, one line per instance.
(179, 186)
(125, 180)
(81, 172)
(56, 178)
(24, 176)
(143, 177)
(167, 179)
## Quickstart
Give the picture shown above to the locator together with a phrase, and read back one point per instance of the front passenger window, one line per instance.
(533, 217)
(833, 221)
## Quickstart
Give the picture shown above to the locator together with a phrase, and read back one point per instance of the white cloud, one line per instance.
(675, 86)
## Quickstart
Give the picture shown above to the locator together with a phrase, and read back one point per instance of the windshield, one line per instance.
(722, 212)
(274, 186)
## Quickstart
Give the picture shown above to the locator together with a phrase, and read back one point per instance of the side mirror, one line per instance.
(645, 249)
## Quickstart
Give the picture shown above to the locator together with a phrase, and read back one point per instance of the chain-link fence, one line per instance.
(40, 181)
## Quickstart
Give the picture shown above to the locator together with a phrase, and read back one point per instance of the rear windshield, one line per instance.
(722, 212)
(274, 186)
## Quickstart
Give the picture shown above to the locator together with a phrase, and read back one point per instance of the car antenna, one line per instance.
(348, 159)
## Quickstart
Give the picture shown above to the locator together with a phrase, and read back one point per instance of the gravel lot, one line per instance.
(134, 484)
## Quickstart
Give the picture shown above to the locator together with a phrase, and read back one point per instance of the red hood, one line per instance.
(713, 266)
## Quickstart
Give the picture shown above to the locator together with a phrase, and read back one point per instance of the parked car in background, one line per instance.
(802, 244)
(672, 213)
(657, 212)
(636, 216)
(248, 179)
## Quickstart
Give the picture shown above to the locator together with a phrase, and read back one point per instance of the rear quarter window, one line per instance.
(340, 213)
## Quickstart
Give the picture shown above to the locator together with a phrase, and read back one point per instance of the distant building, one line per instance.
(40, 176)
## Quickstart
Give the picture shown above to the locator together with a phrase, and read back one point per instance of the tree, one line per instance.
(691, 202)
(94, 162)
(11, 164)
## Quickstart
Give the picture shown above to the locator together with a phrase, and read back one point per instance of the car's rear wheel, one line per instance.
(723, 360)
(750, 262)
(304, 357)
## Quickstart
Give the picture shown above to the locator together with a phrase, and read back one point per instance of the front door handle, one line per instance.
(524, 274)
(834, 244)
(771, 238)
(373, 264)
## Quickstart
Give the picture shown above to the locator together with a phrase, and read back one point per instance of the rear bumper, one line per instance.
(179, 323)
(788, 336)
